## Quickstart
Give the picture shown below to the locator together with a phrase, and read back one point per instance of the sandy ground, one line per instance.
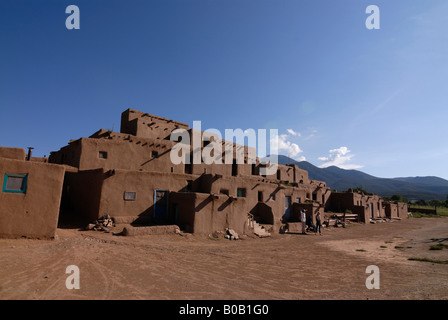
(185, 266)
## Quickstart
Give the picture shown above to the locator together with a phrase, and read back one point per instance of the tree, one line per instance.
(399, 198)
(359, 189)
(436, 203)
(421, 202)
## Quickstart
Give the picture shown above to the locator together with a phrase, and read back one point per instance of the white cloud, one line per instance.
(293, 133)
(339, 157)
(282, 145)
(312, 133)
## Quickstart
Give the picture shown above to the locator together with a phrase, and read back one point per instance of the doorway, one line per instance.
(287, 207)
(161, 206)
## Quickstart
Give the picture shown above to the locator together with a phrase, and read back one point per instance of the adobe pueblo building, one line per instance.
(129, 176)
(30, 196)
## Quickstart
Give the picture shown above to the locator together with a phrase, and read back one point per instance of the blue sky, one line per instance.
(338, 93)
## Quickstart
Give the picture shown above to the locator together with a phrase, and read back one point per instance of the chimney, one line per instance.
(28, 157)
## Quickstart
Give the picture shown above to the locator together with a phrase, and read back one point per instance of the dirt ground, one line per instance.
(186, 266)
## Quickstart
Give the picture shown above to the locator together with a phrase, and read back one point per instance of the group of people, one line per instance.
(309, 222)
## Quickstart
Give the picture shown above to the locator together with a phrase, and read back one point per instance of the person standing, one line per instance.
(318, 224)
(303, 219)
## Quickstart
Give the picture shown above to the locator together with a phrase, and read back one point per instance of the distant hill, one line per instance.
(413, 188)
(431, 180)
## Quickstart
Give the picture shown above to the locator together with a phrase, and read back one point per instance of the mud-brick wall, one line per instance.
(33, 213)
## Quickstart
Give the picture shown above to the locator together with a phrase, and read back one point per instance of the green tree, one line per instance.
(399, 198)
(421, 202)
(436, 203)
(360, 189)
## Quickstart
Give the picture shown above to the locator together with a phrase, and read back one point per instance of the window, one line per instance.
(234, 168)
(272, 197)
(260, 196)
(155, 154)
(241, 192)
(15, 183)
(102, 155)
(298, 200)
(224, 191)
(129, 196)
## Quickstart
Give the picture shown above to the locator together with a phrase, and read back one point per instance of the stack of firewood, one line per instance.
(102, 224)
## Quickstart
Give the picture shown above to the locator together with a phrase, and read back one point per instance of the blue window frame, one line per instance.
(241, 192)
(15, 183)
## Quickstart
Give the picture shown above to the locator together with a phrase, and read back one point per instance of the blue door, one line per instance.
(161, 206)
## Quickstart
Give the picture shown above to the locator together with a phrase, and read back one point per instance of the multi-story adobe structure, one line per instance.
(130, 176)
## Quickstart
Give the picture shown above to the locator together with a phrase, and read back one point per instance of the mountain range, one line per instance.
(413, 188)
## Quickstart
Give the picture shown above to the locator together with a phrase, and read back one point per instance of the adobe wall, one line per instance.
(218, 212)
(341, 201)
(361, 211)
(119, 152)
(128, 154)
(40, 159)
(396, 209)
(377, 205)
(263, 198)
(33, 213)
(145, 125)
(373, 207)
(12, 153)
(391, 209)
(69, 155)
(184, 203)
(133, 153)
(402, 209)
(144, 184)
(366, 206)
(319, 192)
(301, 175)
(220, 165)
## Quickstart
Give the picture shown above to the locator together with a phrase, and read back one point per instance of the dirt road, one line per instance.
(284, 266)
